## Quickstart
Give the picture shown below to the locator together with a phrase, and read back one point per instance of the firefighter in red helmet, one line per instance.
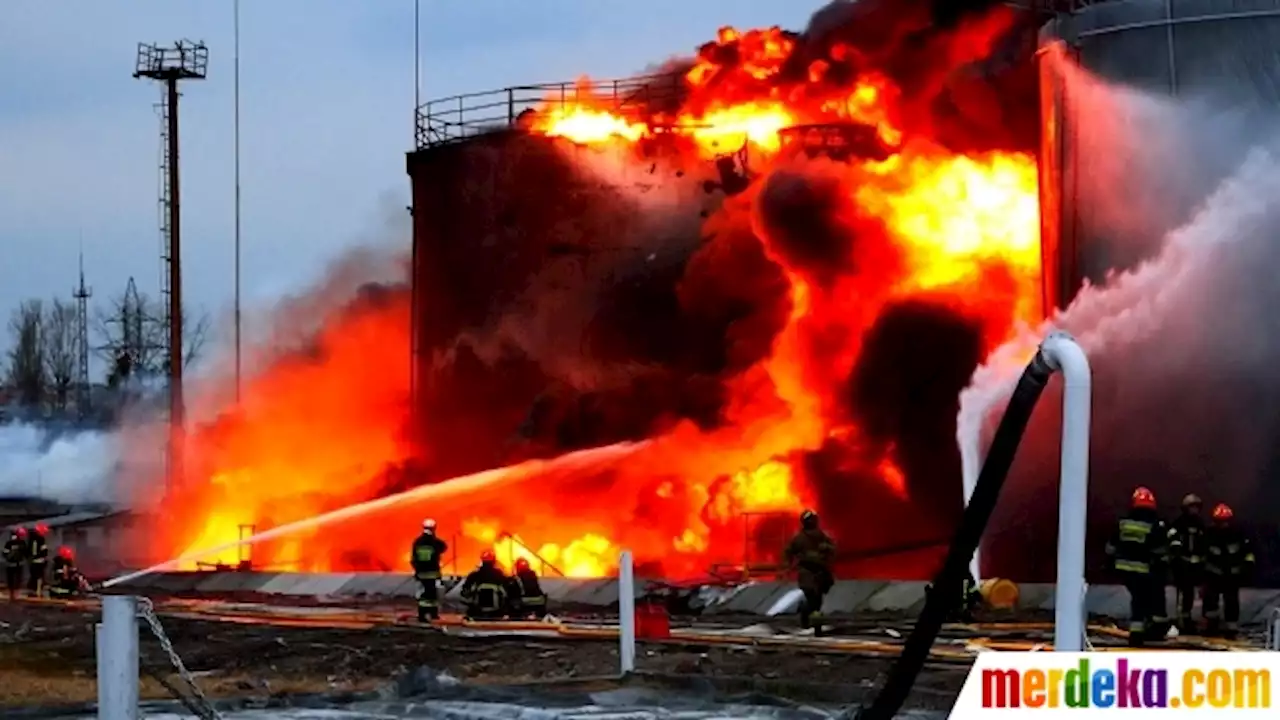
(525, 592)
(66, 579)
(1228, 565)
(1138, 551)
(37, 559)
(485, 590)
(15, 554)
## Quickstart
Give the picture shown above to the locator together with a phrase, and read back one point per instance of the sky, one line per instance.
(326, 97)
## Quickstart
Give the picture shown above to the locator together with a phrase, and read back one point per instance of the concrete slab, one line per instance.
(1257, 606)
(595, 593)
(407, 587)
(907, 596)
(846, 597)
(167, 582)
(852, 595)
(282, 583)
(1035, 596)
(748, 599)
(232, 582)
(557, 588)
(371, 585)
(321, 584)
(1108, 600)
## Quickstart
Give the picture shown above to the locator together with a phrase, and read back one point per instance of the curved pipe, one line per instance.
(1065, 355)
(1058, 352)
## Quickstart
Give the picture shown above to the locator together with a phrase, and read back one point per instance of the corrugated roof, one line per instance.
(75, 518)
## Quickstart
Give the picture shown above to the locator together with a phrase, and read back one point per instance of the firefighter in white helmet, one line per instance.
(425, 559)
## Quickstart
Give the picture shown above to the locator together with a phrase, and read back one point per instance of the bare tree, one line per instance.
(26, 357)
(61, 343)
(135, 335)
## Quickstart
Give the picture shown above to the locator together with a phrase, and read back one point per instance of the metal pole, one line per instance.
(413, 239)
(117, 656)
(1062, 352)
(236, 22)
(417, 62)
(626, 614)
(176, 421)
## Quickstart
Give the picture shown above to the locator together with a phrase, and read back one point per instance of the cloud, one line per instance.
(326, 91)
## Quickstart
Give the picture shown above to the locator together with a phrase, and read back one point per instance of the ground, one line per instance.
(47, 658)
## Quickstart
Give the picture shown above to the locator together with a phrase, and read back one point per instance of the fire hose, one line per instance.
(1004, 445)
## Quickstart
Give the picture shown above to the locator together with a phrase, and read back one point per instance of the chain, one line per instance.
(200, 704)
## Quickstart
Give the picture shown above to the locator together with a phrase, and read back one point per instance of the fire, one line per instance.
(913, 220)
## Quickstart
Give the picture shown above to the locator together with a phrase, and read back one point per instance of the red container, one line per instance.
(652, 622)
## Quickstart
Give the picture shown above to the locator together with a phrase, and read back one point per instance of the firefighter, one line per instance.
(963, 599)
(1138, 550)
(525, 592)
(37, 559)
(66, 580)
(425, 560)
(15, 553)
(1186, 555)
(811, 553)
(485, 590)
(1228, 564)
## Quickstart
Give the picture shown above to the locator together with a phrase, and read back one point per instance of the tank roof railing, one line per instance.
(1052, 7)
(456, 118)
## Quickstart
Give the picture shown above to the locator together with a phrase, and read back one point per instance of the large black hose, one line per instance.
(981, 504)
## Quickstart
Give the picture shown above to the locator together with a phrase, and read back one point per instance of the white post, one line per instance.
(1062, 352)
(626, 614)
(975, 565)
(117, 650)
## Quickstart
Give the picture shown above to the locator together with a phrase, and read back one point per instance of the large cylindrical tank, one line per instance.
(1225, 52)
(1105, 209)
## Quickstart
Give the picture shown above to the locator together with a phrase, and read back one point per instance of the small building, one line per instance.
(105, 542)
(21, 510)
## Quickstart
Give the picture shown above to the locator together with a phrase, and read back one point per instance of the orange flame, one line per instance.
(314, 436)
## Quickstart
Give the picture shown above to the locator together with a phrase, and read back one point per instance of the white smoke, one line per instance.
(67, 467)
(1184, 361)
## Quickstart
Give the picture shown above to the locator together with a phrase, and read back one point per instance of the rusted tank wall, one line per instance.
(495, 218)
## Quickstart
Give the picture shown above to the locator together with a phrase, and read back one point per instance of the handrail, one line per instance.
(543, 561)
(452, 119)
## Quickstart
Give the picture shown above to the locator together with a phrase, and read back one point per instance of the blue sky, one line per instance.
(326, 117)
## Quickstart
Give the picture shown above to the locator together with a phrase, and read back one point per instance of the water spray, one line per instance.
(1058, 353)
(438, 491)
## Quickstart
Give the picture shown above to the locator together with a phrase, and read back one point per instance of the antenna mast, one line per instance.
(83, 390)
(185, 60)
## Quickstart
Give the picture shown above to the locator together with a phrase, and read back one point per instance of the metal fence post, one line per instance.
(117, 655)
(626, 614)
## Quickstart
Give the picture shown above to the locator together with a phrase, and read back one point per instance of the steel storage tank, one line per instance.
(1224, 51)
(1105, 208)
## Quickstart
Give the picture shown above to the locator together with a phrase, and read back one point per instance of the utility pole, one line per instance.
(413, 241)
(235, 11)
(84, 393)
(185, 60)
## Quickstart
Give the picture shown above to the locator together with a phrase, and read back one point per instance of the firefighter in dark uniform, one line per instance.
(525, 592)
(970, 599)
(15, 554)
(1228, 565)
(485, 590)
(37, 559)
(1138, 551)
(66, 580)
(425, 560)
(1186, 555)
(811, 552)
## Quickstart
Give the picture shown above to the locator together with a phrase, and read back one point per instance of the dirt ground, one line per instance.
(47, 658)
